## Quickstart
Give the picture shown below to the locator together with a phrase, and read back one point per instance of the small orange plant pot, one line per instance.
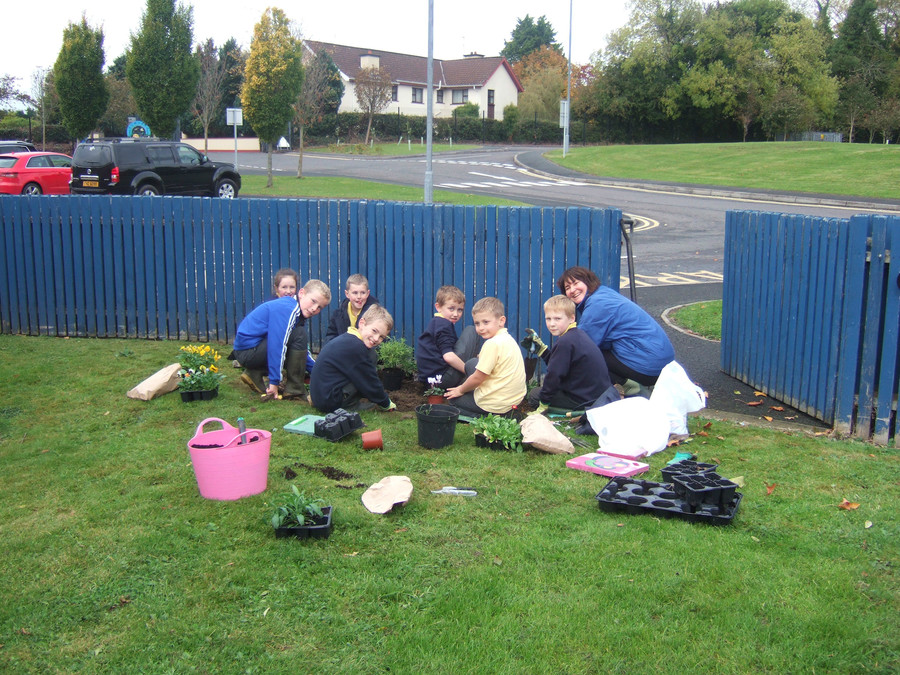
(372, 440)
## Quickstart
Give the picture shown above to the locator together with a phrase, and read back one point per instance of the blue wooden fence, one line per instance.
(190, 268)
(811, 315)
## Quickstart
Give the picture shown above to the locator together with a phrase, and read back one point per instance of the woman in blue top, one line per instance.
(634, 345)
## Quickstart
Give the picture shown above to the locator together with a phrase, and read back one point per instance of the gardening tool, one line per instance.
(450, 490)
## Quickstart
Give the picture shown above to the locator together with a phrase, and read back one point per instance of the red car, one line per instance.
(34, 173)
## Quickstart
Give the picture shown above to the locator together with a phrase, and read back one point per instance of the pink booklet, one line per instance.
(606, 465)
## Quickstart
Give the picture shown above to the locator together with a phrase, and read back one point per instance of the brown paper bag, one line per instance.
(540, 433)
(159, 383)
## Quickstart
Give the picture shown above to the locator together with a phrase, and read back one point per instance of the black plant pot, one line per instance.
(481, 441)
(392, 378)
(188, 396)
(208, 394)
(321, 529)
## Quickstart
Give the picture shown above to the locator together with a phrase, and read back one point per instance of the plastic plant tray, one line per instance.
(636, 496)
(605, 465)
(303, 425)
(704, 488)
(335, 425)
(685, 466)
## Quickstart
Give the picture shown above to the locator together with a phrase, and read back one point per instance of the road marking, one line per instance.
(671, 279)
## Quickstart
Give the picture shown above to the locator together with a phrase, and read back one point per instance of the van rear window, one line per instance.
(87, 154)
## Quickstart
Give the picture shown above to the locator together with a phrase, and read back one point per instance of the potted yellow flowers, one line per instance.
(199, 373)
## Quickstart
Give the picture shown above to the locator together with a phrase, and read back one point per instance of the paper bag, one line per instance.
(539, 432)
(161, 382)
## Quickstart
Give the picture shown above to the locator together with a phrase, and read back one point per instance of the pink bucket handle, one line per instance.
(224, 424)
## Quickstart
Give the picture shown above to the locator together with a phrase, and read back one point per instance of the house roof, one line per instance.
(473, 71)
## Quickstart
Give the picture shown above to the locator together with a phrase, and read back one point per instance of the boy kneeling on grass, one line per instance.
(576, 370)
(273, 337)
(345, 372)
(495, 380)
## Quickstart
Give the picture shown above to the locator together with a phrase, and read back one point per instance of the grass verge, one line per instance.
(826, 168)
(114, 563)
(326, 187)
(702, 318)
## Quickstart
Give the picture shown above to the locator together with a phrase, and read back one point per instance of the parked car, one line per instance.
(16, 146)
(140, 166)
(34, 173)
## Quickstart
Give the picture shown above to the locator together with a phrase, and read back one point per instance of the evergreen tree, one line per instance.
(161, 68)
(527, 36)
(273, 78)
(78, 75)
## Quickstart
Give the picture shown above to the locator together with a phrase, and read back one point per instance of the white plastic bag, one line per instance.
(630, 428)
(675, 395)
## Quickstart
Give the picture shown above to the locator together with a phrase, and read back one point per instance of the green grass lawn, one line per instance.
(702, 318)
(325, 187)
(113, 563)
(829, 168)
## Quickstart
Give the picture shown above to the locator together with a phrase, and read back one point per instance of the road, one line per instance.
(678, 235)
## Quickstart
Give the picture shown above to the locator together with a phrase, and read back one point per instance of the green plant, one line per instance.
(397, 354)
(297, 509)
(435, 388)
(496, 429)
(198, 368)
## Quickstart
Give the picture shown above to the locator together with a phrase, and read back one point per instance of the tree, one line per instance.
(273, 79)
(210, 89)
(79, 78)
(527, 36)
(161, 67)
(542, 58)
(321, 94)
(541, 96)
(373, 92)
(9, 90)
(121, 106)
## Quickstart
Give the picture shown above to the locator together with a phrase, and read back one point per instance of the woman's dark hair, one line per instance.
(582, 274)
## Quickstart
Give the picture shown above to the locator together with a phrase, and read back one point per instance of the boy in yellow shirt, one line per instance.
(495, 380)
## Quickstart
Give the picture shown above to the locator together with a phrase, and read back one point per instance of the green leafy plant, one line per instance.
(434, 388)
(397, 354)
(296, 509)
(199, 371)
(496, 429)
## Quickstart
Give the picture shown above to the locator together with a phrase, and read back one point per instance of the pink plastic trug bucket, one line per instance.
(228, 466)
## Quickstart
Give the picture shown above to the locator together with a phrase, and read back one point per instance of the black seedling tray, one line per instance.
(338, 424)
(685, 466)
(643, 496)
(704, 488)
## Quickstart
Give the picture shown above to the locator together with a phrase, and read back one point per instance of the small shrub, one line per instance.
(397, 354)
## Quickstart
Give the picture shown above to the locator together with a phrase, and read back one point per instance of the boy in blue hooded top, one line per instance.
(267, 342)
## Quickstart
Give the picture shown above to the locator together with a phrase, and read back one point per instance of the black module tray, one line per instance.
(685, 466)
(338, 424)
(704, 488)
(643, 496)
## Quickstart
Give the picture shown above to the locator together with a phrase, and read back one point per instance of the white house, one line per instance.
(488, 81)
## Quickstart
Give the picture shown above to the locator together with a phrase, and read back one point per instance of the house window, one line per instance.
(417, 95)
(490, 97)
(460, 96)
(394, 93)
(440, 96)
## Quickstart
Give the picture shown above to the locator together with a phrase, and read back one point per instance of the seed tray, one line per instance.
(685, 466)
(635, 496)
(335, 425)
(704, 488)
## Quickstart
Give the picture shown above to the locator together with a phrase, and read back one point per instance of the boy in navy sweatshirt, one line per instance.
(356, 302)
(345, 372)
(576, 370)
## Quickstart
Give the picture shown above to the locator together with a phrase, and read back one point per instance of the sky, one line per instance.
(460, 26)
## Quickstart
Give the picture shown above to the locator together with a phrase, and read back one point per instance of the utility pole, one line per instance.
(429, 108)
(568, 88)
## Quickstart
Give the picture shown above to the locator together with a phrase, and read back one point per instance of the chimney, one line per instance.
(473, 55)
(369, 60)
